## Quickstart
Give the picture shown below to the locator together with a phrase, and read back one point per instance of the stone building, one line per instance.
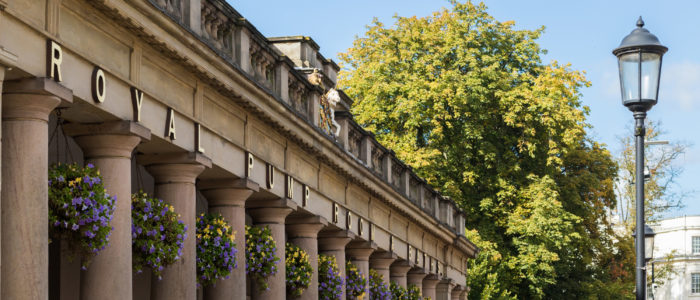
(680, 238)
(187, 100)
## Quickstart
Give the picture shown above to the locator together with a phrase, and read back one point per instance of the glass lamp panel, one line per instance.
(629, 76)
(648, 247)
(651, 68)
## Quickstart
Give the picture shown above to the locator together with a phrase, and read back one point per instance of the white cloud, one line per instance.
(680, 84)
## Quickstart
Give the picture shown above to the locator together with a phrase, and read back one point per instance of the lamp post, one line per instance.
(639, 61)
(649, 235)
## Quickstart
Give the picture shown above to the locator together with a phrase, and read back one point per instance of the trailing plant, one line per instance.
(298, 269)
(330, 283)
(355, 282)
(157, 234)
(80, 210)
(398, 292)
(377, 288)
(261, 261)
(216, 251)
(413, 292)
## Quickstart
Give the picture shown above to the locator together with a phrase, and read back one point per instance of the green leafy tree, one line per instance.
(467, 102)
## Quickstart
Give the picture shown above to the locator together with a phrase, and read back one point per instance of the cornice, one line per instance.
(269, 108)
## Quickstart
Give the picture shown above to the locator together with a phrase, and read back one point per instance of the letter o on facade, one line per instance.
(99, 85)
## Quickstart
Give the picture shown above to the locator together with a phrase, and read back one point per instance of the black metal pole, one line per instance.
(653, 291)
(639, 133)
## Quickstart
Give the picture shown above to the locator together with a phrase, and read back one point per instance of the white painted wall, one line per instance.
(676, 234)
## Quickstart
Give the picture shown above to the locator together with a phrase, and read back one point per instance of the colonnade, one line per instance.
(24, 256)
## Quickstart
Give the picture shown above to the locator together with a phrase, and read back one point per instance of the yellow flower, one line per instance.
(218, 231)
(79, 179)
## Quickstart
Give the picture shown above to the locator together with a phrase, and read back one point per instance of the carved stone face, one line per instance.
(333, 97)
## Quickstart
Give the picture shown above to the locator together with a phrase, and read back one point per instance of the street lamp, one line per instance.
(639, 60)
(649, 235)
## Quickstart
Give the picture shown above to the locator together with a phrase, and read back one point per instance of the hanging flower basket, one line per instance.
(216, 251)
(377, 288)
(330, 283)
(158, 235)
(413, 292)
(398, 292)
(298, 269)
(261, 261)
(355, 282)
(80, 210)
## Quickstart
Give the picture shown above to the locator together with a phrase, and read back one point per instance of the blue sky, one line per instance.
(582, 33)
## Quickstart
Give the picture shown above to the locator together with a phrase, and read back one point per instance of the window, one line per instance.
(695, 283)
(696, 245)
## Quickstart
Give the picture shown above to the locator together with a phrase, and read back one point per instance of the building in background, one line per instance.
(679, 237)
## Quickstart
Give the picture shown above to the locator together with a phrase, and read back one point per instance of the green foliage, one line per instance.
(298, 270)
(398, 292)
(467, 102)
(377, 288)
(261, 261)
(80, 210)
(355, 282)
(157, 234)
(216, 251)
(330, 283)
(413, 292)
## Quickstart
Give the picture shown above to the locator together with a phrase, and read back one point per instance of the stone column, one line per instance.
(26, 106)
(415, 277)
(227, 197)
(333, 244)
(2, 78)
(273, 214)
(398, 272)
(457, 292)
(381, 262)
(429, 286)
(109, 146)
(358, 253)
(175, 175)
(444, 288)
(303, 232)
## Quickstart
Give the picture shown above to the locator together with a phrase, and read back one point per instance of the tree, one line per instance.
(467, 102)
(661, 194)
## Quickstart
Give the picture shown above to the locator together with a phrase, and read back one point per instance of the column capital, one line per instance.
(416, 277)
(109, 139)
(457, 291)
(32, 98)
(382, 260)
(227, 192)
(269, 215)
(400, 268)
(431, 280)
(332, 243)
(360, 250)
(38, 86)
(334, 240)
(305, 227)
(175, 167)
